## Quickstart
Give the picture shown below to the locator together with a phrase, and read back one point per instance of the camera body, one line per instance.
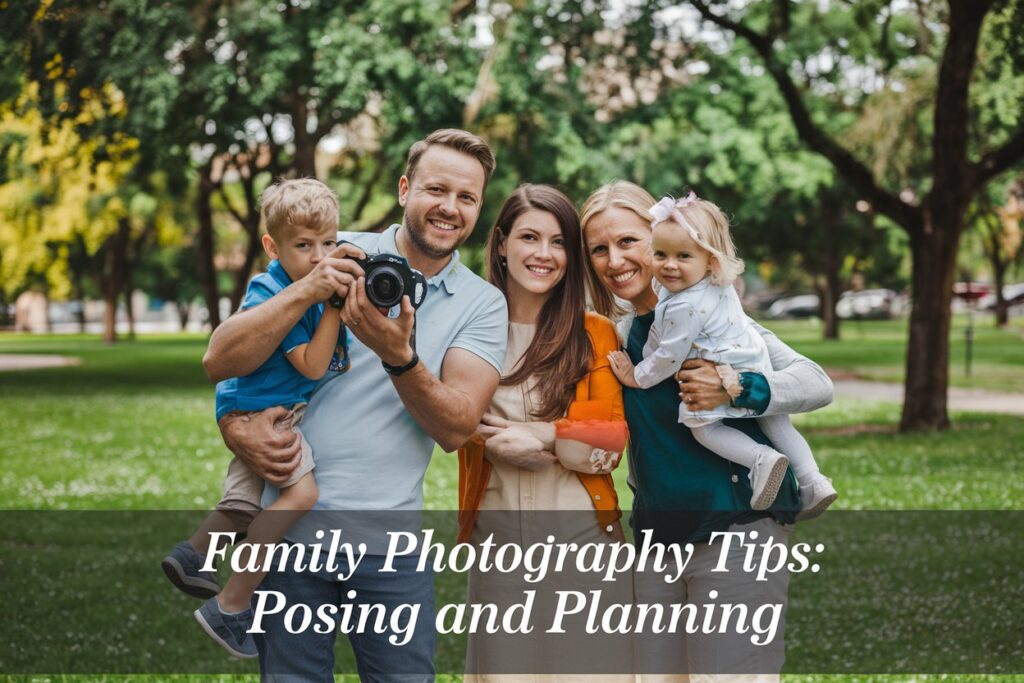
(388, 279)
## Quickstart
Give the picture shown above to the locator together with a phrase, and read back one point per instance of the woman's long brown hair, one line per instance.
(559, 355)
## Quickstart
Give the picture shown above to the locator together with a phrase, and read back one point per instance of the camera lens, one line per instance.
(384, 286)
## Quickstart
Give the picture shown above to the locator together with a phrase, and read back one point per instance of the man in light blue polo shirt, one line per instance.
(373, 428)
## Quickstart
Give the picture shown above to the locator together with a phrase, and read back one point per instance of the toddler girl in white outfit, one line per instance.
(699, 315)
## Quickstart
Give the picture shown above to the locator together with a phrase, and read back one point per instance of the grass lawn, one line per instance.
(876, 350)
(132, 428)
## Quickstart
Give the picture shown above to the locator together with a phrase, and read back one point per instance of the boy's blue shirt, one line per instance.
(276, 382)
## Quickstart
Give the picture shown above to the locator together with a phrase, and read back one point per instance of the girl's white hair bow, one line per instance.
(668, 209)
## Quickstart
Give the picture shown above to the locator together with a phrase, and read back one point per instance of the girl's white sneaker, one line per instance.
(816, 497)
(766, 478)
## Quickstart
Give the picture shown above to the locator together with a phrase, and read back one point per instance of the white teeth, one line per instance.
(442, 226)
(624, 276)
(539, 270)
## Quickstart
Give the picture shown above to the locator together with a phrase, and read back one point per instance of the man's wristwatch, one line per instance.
(396, 370)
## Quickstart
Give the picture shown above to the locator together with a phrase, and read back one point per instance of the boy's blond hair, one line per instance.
(298, 202)
(709, 228)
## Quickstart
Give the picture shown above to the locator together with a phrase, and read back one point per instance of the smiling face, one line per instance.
(535, 252)
(619, 247)
(299, 248)
(679, 262)
(442, 203)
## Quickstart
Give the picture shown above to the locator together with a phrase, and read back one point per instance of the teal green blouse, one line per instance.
(683, 491)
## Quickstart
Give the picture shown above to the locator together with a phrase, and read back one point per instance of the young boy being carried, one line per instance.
(301, 218)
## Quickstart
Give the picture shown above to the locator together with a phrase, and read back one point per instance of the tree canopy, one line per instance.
(136, 137)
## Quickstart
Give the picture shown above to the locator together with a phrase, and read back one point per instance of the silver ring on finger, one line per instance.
(354, 323)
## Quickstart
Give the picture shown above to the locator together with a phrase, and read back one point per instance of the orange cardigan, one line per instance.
(598, 397)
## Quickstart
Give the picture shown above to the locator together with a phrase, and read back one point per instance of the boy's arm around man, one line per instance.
(246, 340)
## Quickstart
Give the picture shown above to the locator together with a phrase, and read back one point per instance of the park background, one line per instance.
(869, 154)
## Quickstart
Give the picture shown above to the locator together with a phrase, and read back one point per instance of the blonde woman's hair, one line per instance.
(307, 202)
(712, 233)
(624, 195)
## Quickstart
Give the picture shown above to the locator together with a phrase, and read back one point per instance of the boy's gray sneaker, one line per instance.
(182, 567)
(230, 631)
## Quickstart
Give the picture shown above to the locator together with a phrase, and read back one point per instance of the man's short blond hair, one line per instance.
(459, 140)
(306, 202)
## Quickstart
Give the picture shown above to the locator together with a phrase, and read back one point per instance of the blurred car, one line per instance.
(967, 295)
(800, 306)
(65, 311)
(971, 291)
(1014, 295)
(867, 304)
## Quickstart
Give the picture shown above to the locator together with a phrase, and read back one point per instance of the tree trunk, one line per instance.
(205, 246)
(115, 270)
(250, 223)
(78, 292)
(364, 198)
(936, 243)
(183, 314)
(828, 286)
(46, 313)
(244, 273)
(128, 309)
(934, 252)
(76, 274)
(305, 144)
(393, 214)
(1002, 311)
(134, 250)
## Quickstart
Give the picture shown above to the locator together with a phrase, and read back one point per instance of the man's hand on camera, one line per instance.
(258, 440)
(387, 337)
(335, 274)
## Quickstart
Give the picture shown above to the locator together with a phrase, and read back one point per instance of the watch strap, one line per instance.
(396, 370)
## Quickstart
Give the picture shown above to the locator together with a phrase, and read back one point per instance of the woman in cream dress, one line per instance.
(540, 465)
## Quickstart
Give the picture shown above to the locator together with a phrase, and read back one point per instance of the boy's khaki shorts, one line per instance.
(243, 488)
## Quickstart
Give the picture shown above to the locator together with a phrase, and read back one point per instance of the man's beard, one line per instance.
(418, 238)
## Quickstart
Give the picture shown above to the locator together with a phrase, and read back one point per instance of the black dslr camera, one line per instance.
(388, 279)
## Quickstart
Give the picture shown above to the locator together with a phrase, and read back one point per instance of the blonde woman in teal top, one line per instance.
(684, 492)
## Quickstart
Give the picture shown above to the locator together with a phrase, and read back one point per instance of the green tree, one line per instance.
(725, 133)
(59, 191)
(262, 86)
(812, 51)
(228, 94)
(71, 53)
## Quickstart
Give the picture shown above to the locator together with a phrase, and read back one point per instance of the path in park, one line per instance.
(19, 361)
(968, 400)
